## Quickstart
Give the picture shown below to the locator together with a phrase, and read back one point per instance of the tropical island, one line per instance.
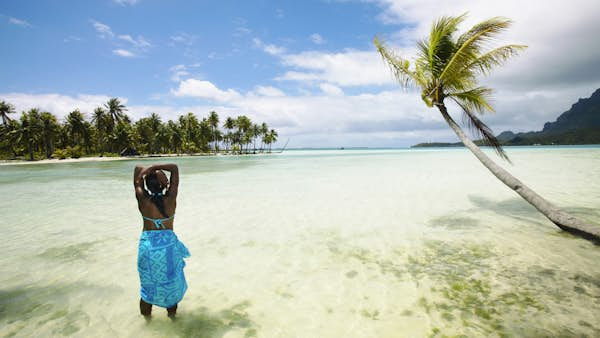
(578, 125)
(110, 132)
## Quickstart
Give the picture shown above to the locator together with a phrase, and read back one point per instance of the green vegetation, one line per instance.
(476, 289)
(110, 132)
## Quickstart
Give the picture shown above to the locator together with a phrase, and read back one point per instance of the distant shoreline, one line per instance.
(159, 156)
(111, 158)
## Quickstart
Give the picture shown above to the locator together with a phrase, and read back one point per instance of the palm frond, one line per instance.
(475, 99)
(485, 29)
(469, 46)
(440, 45)
(481, 130)
(398, 65)
(496, 57)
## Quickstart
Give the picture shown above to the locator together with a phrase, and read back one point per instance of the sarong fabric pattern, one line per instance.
(160, 266)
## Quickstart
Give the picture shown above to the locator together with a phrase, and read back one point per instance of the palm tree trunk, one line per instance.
(562, 219)
(48, 146)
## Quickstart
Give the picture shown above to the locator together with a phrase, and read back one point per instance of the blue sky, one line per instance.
(308, 68)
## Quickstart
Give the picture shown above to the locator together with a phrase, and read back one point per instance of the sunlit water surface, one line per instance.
(354, 243)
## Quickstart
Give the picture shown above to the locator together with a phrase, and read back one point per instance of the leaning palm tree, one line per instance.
(446, 67)
(5, 109)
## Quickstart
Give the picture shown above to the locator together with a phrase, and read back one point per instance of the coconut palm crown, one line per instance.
(447, 66)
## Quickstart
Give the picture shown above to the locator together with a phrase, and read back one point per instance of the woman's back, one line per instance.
(158, 202)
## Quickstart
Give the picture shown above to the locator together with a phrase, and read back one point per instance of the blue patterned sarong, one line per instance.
(160, 265)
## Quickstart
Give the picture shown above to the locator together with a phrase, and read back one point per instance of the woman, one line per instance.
(160, 254)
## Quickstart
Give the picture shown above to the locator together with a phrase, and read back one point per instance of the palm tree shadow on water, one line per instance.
(202, 323)
(518, 209)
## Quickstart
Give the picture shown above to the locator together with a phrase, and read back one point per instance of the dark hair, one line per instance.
(156, 192)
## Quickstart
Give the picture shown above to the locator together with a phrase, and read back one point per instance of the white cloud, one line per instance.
(58, 104)
(268, 91)
(124, 45)
(204, 90)
(126, 2)
(178, 72)
(317, 39)
(563, 47)
(349, 68)
(268, 48)
(387, 118)
(139, 43)
(72, 38)
(183, 38)
(124, 53)
(330, 89)
(104, 31)
(18, 22)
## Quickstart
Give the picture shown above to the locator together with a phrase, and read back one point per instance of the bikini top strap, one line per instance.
(158, 222)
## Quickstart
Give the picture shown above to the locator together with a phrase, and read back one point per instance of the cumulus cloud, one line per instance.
(124, 53)
(348, 68)
(330, 89)
(58, 104)
(204, 90)
(563, 47)
(268, 91)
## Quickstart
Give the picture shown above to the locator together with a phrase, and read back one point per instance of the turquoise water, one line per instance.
(309, 243)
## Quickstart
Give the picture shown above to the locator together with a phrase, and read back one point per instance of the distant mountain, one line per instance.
(578, 125)
(584, 114)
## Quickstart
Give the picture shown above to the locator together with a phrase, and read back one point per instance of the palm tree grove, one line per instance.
(446, 68)
(108, 131)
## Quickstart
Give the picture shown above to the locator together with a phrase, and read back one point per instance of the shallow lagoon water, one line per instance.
(353, 243)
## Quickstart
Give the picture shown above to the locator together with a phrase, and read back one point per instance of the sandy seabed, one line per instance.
(393, 243)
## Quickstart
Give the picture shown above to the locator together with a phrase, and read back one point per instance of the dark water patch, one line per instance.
(35, 306)
(513, 207)
(370, 259)
(370, 314)
(69, 253)
(351, 274)
(455, 222)
(203, 323)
